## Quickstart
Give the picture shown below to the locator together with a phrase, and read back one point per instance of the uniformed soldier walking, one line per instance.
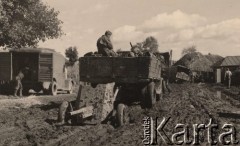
(18, 84)
(104, 45)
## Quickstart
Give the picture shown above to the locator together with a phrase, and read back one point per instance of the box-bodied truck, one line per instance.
(45, 70)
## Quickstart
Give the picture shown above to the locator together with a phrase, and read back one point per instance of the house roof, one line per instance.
(199, 62)
(231, 61)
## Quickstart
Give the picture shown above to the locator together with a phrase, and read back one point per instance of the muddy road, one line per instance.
(32, 121)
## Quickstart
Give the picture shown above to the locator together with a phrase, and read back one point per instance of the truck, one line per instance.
(110, 84)
(45, 70)
(179, 74)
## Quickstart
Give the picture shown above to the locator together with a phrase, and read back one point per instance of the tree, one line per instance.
(119, 50)
(150, 44)
(72, 54)
(23, 23)
(189, 50)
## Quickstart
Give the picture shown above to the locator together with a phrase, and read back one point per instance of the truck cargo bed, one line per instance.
(119, 69)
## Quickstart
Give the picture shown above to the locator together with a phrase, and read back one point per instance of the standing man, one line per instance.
(165, 82)
(191, 76)
(18, 84)
(104, 44)
(228, 75)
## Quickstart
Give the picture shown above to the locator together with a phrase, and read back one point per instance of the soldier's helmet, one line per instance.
(108, 32)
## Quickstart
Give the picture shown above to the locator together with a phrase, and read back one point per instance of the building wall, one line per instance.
(223, 70)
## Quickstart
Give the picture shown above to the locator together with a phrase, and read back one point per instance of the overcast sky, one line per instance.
(213, 26)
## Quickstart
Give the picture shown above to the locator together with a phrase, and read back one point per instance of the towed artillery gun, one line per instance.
(110, 83)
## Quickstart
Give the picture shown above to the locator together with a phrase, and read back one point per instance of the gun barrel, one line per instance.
(131, 44)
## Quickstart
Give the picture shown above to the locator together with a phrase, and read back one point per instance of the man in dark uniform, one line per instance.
(18, 84)
(105, 46)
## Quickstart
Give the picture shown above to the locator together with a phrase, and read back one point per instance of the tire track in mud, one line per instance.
(216, 105)
(90, 135)
(170, 105)
(198, 105)
(68, 138)
(187, 104)
(219, 103)
(212, 104)
(129, 134)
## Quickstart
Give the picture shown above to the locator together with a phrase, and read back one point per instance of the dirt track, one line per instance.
(189, 103)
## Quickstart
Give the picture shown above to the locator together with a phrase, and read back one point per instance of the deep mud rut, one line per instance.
(188, 104)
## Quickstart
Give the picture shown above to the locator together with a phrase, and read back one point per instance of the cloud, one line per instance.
(95, 8)
(89, 30)
(178, 30)
(220, 30)
(127, 33)
(225, 30)
(180, 35)
(168, 27)
(175, 20)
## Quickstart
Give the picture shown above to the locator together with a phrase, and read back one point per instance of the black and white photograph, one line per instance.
(119, 72)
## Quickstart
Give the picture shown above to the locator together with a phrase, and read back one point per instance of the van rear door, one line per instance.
(5, 66)
(45, 67)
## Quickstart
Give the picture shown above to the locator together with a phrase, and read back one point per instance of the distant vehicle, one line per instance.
(179, 73)
(46, 70)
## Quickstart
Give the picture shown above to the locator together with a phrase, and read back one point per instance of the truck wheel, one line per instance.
(149, 95)
(121, 114)
(53, 88)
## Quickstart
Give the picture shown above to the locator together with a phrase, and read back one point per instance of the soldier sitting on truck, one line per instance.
(18, 84)
(105, 46)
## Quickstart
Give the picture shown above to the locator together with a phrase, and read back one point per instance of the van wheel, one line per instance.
(25, 91)
(53, 88)
(38, 88)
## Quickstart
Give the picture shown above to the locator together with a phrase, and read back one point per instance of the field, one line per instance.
(31, 120)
